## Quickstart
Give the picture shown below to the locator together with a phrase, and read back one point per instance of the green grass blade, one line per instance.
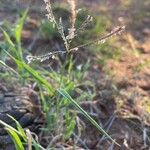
(19, 27)
(34, 73)
(7, 38)
(37, 146)
(8, 126)
(10, 43)
(6, 66)
(20, 129)
(16, 139)
(67, 96)
(37, 76)
(17, 33)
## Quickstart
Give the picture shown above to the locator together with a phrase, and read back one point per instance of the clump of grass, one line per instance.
(58, 24)
(22, 139)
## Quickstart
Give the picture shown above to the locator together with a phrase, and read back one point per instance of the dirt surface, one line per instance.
(22, 103)
(131, 73)
(122, 103)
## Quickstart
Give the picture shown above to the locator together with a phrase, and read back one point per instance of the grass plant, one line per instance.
(56, 104)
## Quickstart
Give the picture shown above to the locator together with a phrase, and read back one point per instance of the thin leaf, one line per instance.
(20, 129)
(16, 139)
(10, 43)
(7, 38)
(10, 127)
(19, 26)
(34, 73)
(37, 76)
(11, 69)
(67, 96)
(18, 31)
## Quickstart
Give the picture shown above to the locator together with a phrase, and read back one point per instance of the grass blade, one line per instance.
(16, 139)
(20, 129)
(36, 76)
(8, 126)
(34, 73)
(11, 69)
(67, 96)
(19, 27)
(18, 31)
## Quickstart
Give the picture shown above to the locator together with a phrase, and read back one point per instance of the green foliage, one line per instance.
(19, 136)
(17, 34)
(18, 28)
(75, 104)
(16, 139)
(47, 31)
(14, 47)
(69, 124)
(107, 52)
(16, 135)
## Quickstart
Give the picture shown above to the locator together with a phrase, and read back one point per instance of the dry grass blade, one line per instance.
(50, 14)
(44, 57)
(72, 4)
(75, 104)
(29, 139)
(117, 30)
